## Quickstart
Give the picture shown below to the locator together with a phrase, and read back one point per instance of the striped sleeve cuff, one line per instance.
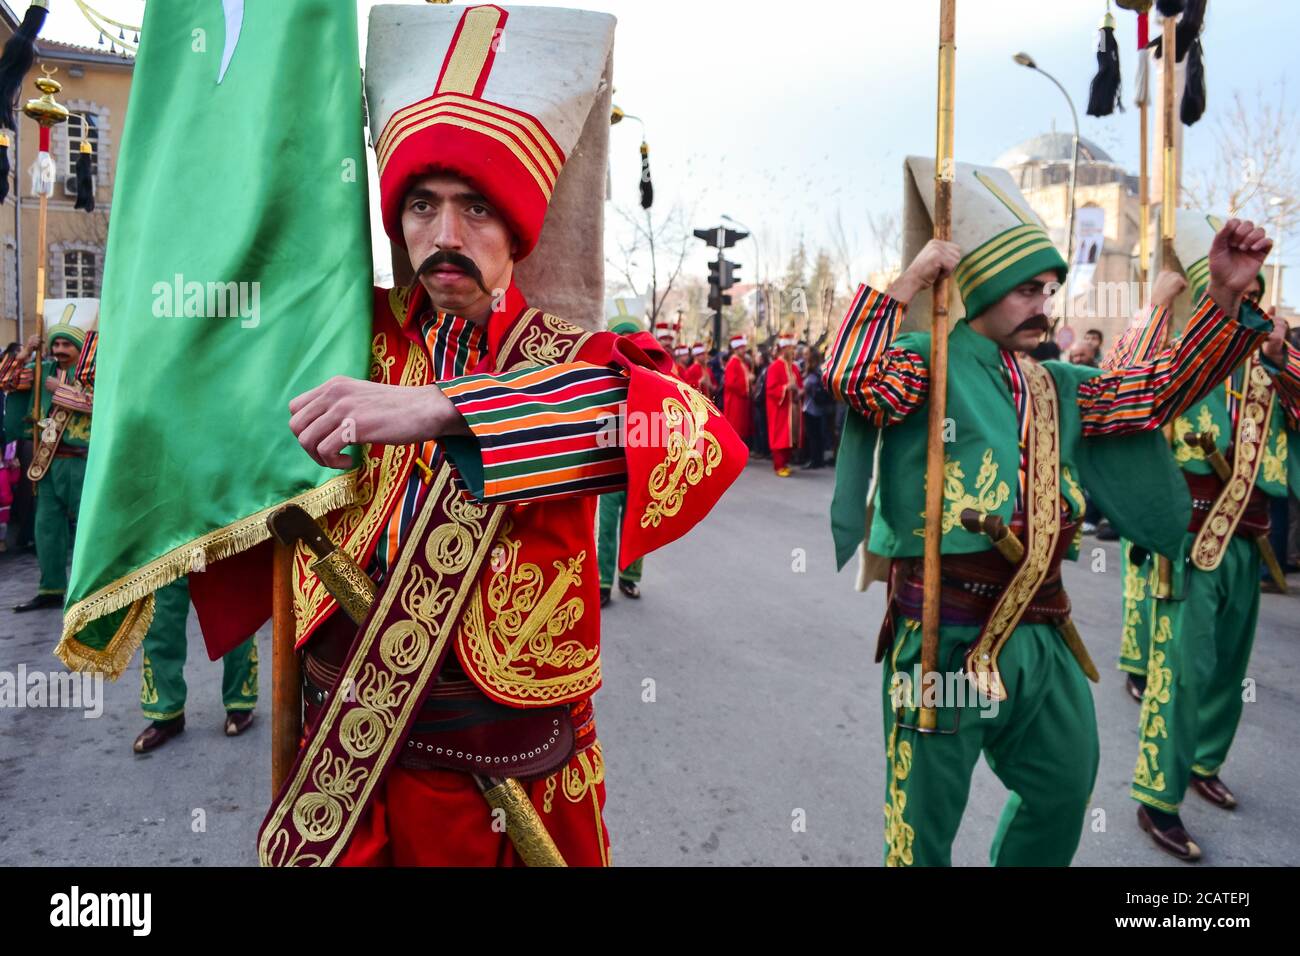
(876, 380)
(539, 432)
(73, 397)
(1141, 342)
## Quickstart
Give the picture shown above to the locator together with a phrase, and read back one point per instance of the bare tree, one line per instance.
(887, 234)
(665, 243)
(1254, 172)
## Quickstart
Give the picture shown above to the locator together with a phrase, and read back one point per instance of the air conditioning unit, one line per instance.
(70, 185)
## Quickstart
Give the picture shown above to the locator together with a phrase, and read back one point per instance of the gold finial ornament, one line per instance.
(45, 110)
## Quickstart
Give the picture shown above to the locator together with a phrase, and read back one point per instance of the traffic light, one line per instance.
(722, 276)
(719, 237)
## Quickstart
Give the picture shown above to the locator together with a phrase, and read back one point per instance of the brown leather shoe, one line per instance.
(1136, 687)
(1214, 790)
(1173, 839)
(158, 733)
(237, 721)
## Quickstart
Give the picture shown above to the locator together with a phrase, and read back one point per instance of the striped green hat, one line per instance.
(623, 314)
(1003, 241)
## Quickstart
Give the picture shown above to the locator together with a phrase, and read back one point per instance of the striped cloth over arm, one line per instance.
(541, 432)
(85, 368)
(876, 379)
(15, 377)
(1286, 382)
(1145, 395)
(1140, 342)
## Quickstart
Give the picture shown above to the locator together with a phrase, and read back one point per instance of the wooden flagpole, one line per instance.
(286, 681)
(943, 179)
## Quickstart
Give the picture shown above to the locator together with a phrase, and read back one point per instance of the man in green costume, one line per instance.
(1203, 621)
(162, 673)
(1021, 438)
(609, 518)
(59, 457)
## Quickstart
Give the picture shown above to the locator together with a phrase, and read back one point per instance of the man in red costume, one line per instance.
(737, 380)
(697, 374)
(784, 395)
(485, 428)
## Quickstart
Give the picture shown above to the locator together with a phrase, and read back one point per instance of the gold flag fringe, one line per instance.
(137, 588)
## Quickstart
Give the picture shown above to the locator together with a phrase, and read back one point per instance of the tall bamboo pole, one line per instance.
(1169, 176)
(1144, 174)
(943, 179)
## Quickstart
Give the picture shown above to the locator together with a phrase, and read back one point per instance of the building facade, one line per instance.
(96, 85)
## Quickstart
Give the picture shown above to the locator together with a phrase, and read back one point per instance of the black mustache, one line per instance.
(1039, 322)
(462, 262)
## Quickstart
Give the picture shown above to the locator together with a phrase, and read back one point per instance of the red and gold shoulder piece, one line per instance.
(681, 456)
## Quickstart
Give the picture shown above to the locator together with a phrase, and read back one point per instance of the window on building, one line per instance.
(79, 274)
(82, 128)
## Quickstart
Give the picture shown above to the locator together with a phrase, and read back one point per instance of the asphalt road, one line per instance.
(761, 746)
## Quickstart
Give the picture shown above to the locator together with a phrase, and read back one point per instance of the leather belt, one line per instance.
(459, 727)
(64, 452)
(972, 583)
(1205, 491)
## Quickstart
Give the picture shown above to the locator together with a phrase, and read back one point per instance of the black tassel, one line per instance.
(85, 185)
(1170, 8)
(4, 168)
(19, 53)
(1193, 106)
(1104, 93)
(1189, 28)
(647, 187)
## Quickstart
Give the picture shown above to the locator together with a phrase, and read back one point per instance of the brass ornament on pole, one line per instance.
(48, 113)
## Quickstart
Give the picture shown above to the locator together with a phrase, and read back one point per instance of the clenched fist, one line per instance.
(936, 259)
(1236, 256)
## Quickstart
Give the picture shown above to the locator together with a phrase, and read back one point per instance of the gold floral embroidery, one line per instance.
(576, 778)
(1073, 492)
(1135, 595)
(691, 453)
(899, 834)
(78, 427)
(1274, 460)
(249, 687)
(148, 687)
(1151, 724)
(524, 634)
(1184, 452)
(990, 494)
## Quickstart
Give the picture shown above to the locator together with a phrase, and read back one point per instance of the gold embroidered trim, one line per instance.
(1253, 421)
(1151, 723)
(690, 454)
(137, 587)
(1044, 519)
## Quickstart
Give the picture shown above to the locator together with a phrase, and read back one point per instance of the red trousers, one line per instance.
(439, 818)
(780, 458)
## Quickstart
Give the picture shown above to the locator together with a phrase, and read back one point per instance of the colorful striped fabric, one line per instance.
(71, 395)
(1286, 382)
(454, 345)
(1145, 395)
(1140, 342)
(1014, 376)
(886, 384)
(85, 368)
(545, 431)
(15, 377)
(878, 381)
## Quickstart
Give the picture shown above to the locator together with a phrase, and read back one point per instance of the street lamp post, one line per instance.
(1025, 60)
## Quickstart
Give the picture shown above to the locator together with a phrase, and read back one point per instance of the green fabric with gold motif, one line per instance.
(1138, 611)
(162, 672)
(983, 459)
(1200, 648)
(1041, 743)
(1278, 465)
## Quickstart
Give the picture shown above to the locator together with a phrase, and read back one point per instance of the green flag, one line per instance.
(237, 275)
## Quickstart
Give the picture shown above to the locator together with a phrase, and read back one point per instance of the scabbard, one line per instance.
(1070, 634)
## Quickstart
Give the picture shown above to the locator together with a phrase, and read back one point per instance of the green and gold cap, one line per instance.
(70, 319)
(1003, 241)
(623, 314)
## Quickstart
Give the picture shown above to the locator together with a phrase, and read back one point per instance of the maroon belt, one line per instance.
(1205, 491)
(459, 727)
(970, 584)
(62, 452)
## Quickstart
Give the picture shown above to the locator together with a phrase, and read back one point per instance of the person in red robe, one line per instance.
(681, 361)
(783, 394)
(697, 374)
(736, 382)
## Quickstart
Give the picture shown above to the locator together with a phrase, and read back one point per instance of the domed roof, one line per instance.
(1051, 148)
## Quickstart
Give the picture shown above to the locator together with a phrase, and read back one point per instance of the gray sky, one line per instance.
(779, 114)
